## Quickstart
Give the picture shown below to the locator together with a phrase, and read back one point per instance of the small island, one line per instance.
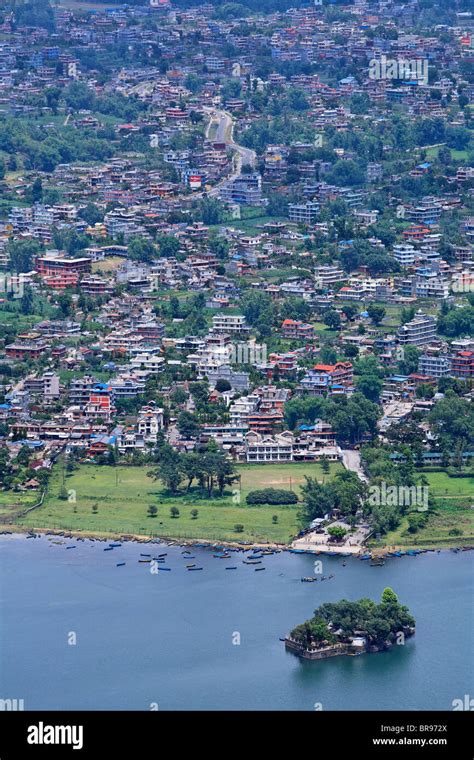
(352, 628)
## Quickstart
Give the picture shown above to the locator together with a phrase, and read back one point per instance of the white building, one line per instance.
(268, 448)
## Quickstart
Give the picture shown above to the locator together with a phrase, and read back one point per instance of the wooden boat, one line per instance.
(144, 560)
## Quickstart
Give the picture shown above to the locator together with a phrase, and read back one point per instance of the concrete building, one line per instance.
(434, 366)
(267, 448)
(420, 331)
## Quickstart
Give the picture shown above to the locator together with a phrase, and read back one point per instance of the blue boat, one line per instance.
(257, 569)
(168, 569)
(108, 549)
(113, 546)
(121, 564)
(70, 547)
(194, 568)
(365, 556)
(145, 555)
(232, 568)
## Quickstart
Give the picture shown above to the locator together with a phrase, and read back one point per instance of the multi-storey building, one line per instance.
(434, 366)
(232, 324)
(405, 254)
(420, 331)
(462, 365)
(46, 386)
(267, 448)
(303, 213)
(294, 328)
(150, 422)
(324, 378)
(327, 275)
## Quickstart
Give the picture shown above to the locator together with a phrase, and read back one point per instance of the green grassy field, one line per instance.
(437, 531)
(441, 485)
(453, 498)
(13, 502)
(123, 495)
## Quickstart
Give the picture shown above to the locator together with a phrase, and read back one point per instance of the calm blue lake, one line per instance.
(168, 639)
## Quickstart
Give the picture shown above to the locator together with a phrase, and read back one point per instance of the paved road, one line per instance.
(225, 133)
(351, 461)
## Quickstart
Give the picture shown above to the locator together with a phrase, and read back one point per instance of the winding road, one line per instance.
(223, 124)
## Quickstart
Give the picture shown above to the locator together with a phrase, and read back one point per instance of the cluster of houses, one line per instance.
(66, 381)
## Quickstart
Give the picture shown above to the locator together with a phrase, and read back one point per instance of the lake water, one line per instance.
(167, 639)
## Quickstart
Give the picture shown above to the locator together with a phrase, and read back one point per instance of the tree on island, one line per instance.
(313, 632)
(174, 512)
(152, 510)
(379, 623)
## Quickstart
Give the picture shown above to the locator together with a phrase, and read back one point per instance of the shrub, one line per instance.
(271, 496)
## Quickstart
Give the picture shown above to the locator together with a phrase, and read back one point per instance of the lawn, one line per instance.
(453, 498)
(12, 502)
(123, 495)
(441, 485)
(444, 519)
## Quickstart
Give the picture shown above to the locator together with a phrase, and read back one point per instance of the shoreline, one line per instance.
(377, 553)
(137, 538)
